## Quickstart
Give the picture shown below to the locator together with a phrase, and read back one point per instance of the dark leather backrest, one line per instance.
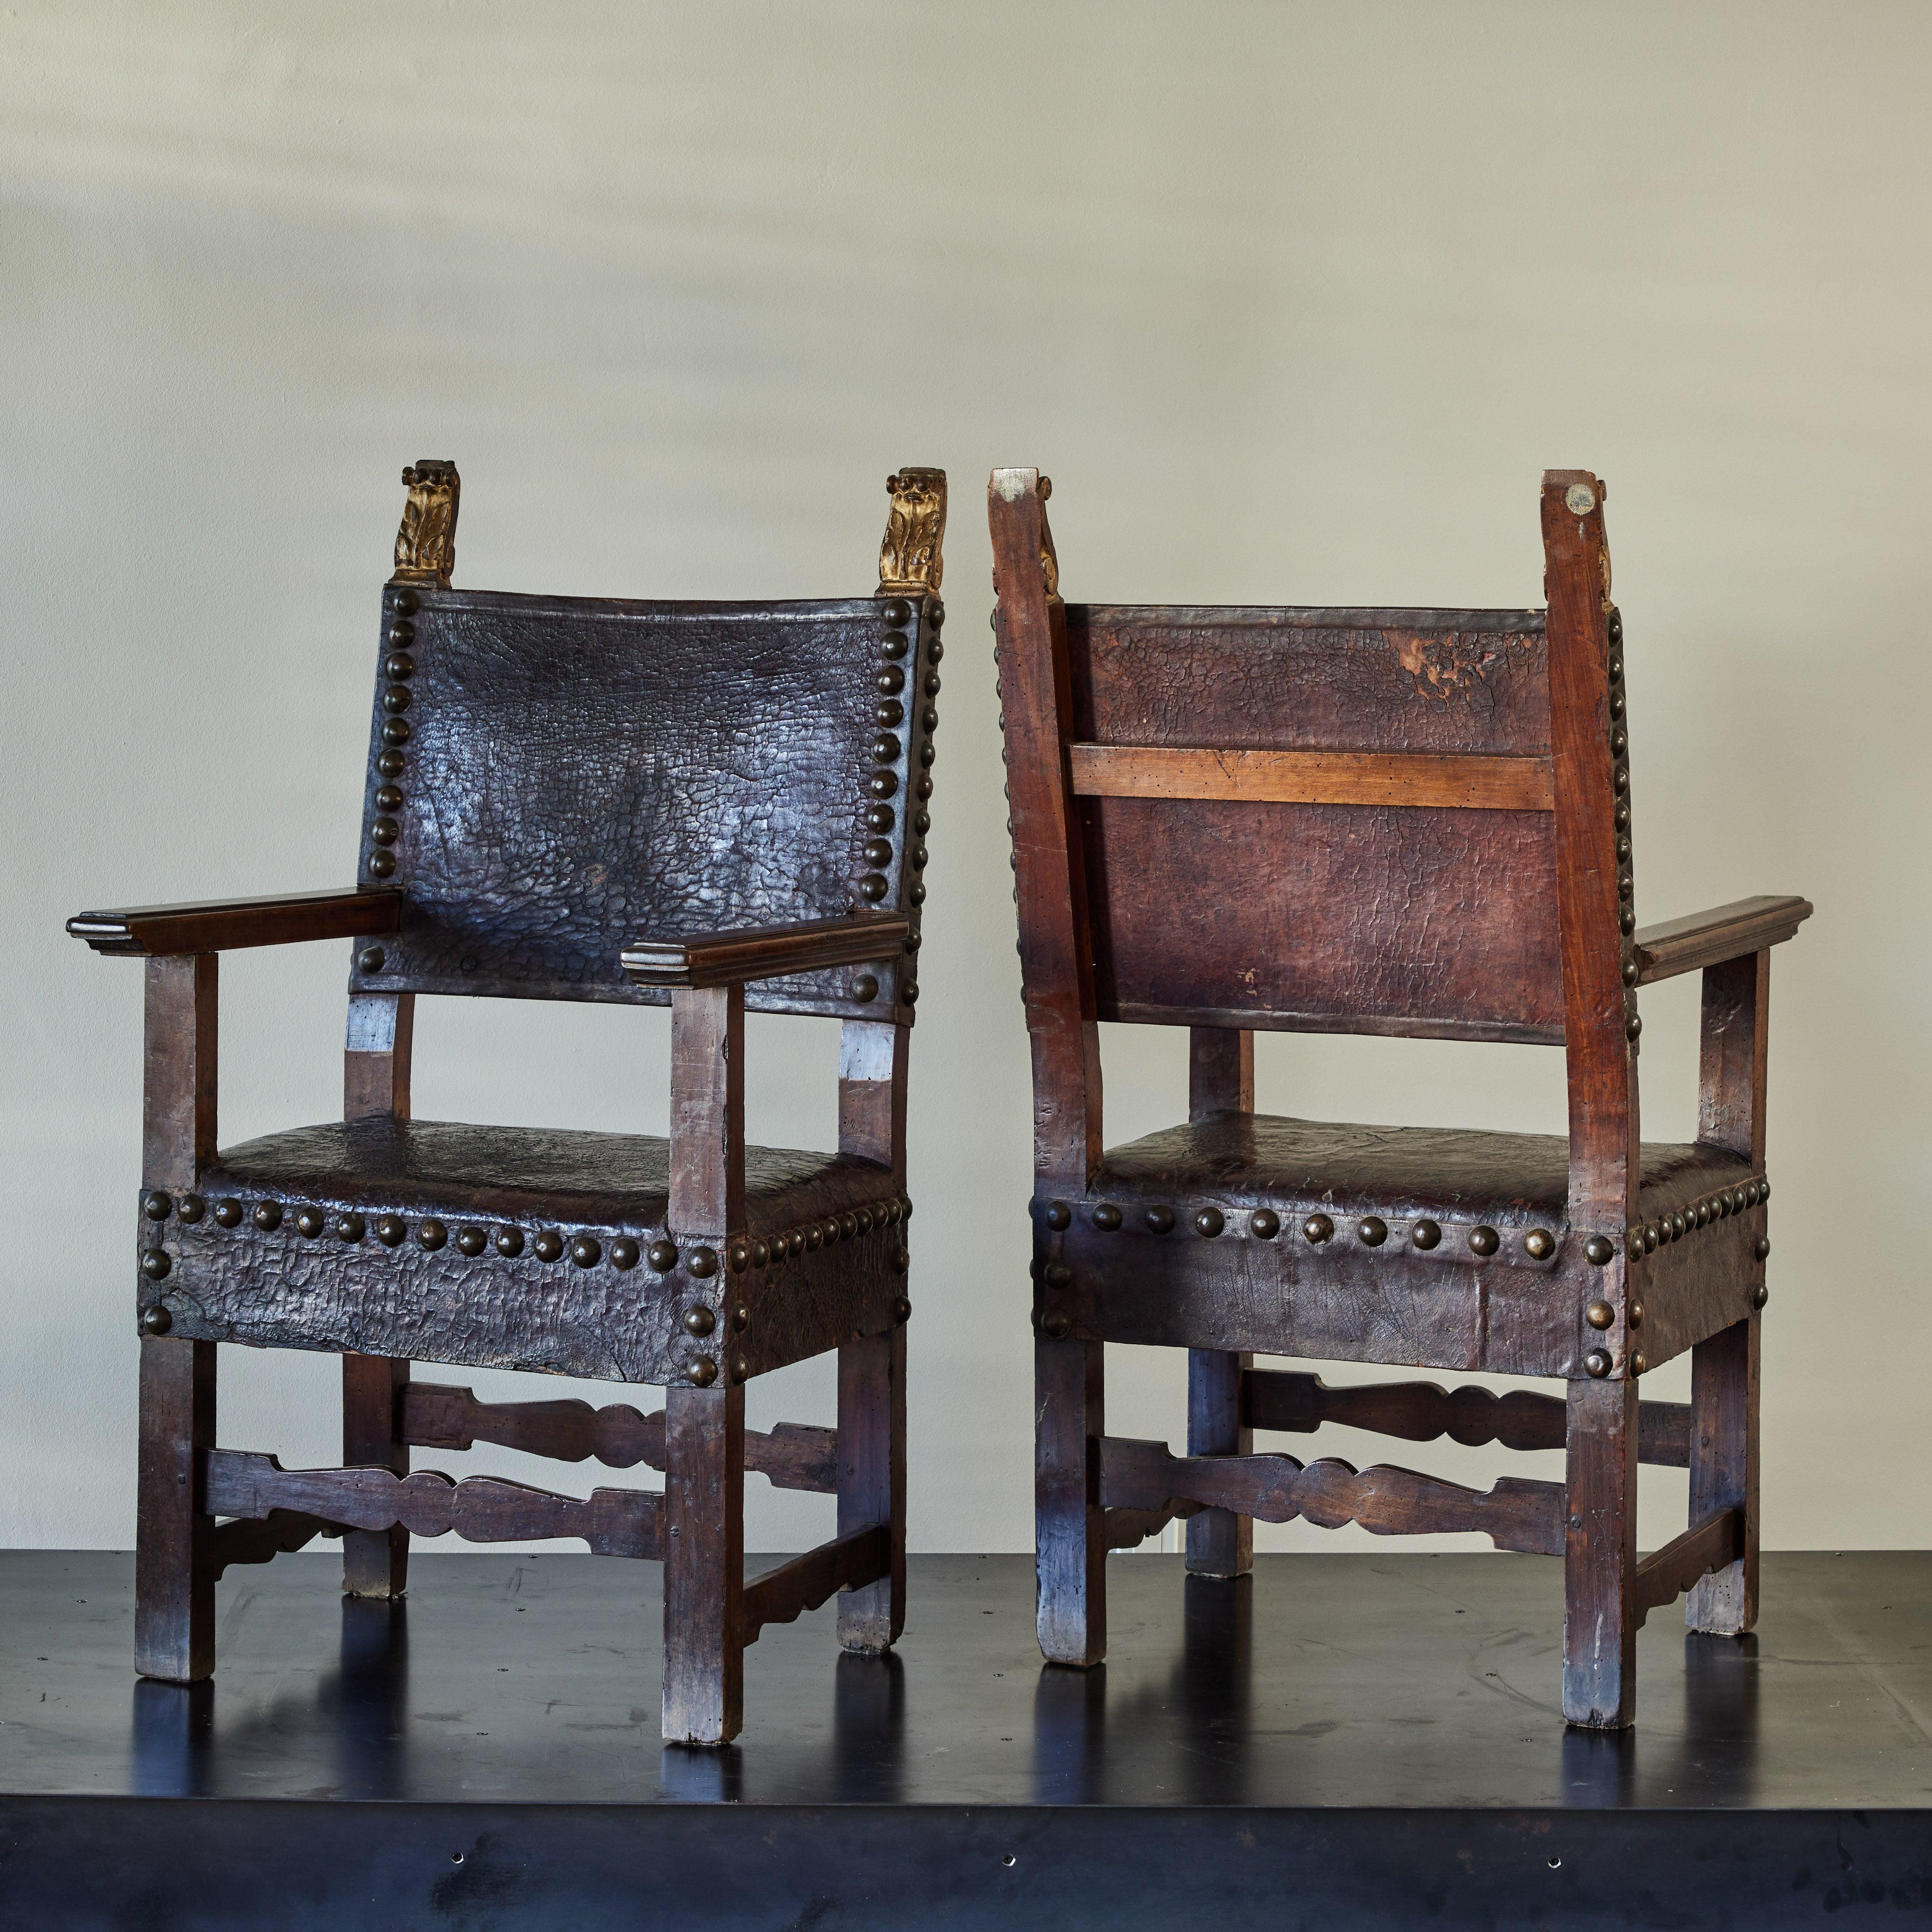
(1376, 917)
(579, 772)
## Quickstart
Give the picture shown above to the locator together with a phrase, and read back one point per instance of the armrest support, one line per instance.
(222, 926)
(1710, 938)
(765, 952)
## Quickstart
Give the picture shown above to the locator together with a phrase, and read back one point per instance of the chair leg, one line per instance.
(1219, 1543)
(174, 1570)
(703, 1546)
(1723, 1471)
(871, 1480)
(1600, 1555)
(1070, 1555)
(375, 1562)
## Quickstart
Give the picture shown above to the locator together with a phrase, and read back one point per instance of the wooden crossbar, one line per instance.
(260, 1540)
(1474, 784)
(1385, 1501)
(849, 1562)
(439, 1415)
(484, 1509)
(1710, 1544)
(1296, 1403)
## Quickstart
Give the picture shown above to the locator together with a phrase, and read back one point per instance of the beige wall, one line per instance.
(1294, 304)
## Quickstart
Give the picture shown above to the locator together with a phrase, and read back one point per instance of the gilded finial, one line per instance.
(910, 558)
(426, 543)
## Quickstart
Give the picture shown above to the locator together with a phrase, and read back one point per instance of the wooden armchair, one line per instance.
(708, 805)
(1395, 822)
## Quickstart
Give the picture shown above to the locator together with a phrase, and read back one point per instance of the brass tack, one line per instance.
(922, 823)
(191, 1208)
(349, 1227)
(702, 1262)
(548, 1245)
(1264, 1223)
(1318, 1228)
(909, 989)
(311, 1221)
(371, 959)
(1619, 741)
(848, 1225)
(893, 644)
(863, 1216)
(587, 1251)
(1600, 1315)
(396, 699)
(509, 1242)
(935, 650)
(157, 1207)
(1760, 1295)
(156, 1321)
(381, 863)
(228, 1213)
(1539, 1244)
(1426, 1235)
(1634, 1315)
(1700, 1215)
(1678, 1226)
(1620, 818)
(1056, 1325)
(1484, 1240)
(1106, 1217)
(624, 1253)
(741, 1319)
(1651, 1237)
(1634, 1243)
(1764, 1189)
(902, 1261)
(928, 716)
(1057, 1274)
(1159, 1220)
(1627, 924)
(890, 681)
(404, 603)
(155, 1264)
(1058, 1216)
(1372, 1230)
(391, 1229)
(1209, 1221)
(471, 1241)
(1620, 780)
(431, 1234)
(739, 1255)
(935, 611)
(1626, 886)
(1754, 1193)
(662, 1256)
(901, 1310)
(872, 887)
(814, 1237)
(876, 852)
(1761, 1247)
(702, 1370)
(880, 818)
(896, 611)
(398, 663)
(384, 831)
(740, 1368)
(761, 1253)
(1637, 1365)
(699, 1320)
(1630, 972)
(391, 764)
(923, 789)
(401, 633)
(1599, 1251)
(883, 783)
(396, 731)
(889, 712)
(931, 685)
(1623, 850)
(1597, 1363)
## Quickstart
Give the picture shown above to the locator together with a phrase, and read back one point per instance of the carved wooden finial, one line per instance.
(910, 559)
(426, 543)
(1049, 560)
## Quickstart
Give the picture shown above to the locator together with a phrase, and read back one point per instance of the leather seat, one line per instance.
(1240, 1160)
(610, 1183)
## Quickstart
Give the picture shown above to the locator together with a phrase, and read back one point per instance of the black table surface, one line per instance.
(1374, 1692)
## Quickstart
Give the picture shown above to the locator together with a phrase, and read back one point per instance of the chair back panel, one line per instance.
(578, 773)
(1333, 878)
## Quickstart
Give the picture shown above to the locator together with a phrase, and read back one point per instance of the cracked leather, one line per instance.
(1296, 1166)
(579, 773)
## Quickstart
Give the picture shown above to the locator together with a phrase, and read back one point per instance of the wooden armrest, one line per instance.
(1710, 938)
(765, 951)
(222, 926)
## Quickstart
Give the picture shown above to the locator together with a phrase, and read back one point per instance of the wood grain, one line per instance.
(222, 926)
(1723, 1461)
(1714, 1541)
(252, 1539)
(704, 1564)
(1600, 1616)
(174, 1557)
(1470, 783)
(375, 1562)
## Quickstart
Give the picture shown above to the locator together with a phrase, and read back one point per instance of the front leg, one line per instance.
(1070, 1554)
(1600, 1555)
(703, 1564)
